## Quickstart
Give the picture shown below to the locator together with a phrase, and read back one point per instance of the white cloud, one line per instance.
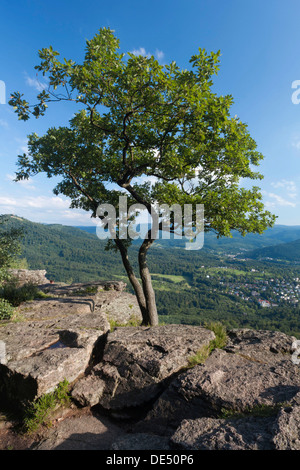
(24, 183)
(159, 55)
(141, 51)
(22, 145)
(296, 144)
(290, 190)
(286, 184)
(41, 202)
(35, 83)
(44, 209)
(277, 200)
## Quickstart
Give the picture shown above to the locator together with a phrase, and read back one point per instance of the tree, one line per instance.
(137, 119)
(9, 248)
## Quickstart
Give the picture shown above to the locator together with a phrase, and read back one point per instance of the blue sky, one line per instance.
(260, 60)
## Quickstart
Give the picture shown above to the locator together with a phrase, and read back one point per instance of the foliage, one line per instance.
(137, 120)
(16, 295)
(133, 321)
(69, 253)
(220, 332)
(200, 356)
(286, 251)
(9, 248)
(219, 342)
(6, 310)
(258, 411)
(38, 413)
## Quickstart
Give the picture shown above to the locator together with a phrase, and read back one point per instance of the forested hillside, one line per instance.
(191, 287)
(252, 241)
(284, 251)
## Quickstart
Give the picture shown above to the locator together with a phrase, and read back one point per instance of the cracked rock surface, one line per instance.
(137, 361)
(57, 338)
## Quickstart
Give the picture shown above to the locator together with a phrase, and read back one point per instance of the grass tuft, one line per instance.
(218, 343)
(38, 413)
(133, 321)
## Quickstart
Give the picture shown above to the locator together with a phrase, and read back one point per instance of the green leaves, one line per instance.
(141, 120)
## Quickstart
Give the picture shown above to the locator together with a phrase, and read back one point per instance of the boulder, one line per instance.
(287, 428)
(59, 337)
(29, 276)
(138, 361)
(49, 353)
(256, 372)
(277, 430)
(251, 433)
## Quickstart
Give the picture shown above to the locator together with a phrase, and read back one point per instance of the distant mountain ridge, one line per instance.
(284, 251)
(76, 254)
(271, 237)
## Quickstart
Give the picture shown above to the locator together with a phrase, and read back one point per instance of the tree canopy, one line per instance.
(9, 249)
(154, 132)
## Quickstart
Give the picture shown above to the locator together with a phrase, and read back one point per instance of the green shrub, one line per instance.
(16, 295)
(38, 413)
(220, 332)
(6, 310)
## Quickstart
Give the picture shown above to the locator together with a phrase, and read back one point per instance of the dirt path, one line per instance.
(78, 430)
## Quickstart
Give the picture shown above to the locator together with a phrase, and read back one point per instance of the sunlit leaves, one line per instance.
(138, 120)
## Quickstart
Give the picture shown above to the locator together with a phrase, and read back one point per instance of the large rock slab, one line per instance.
(287, 428)
(278, 431)
(137, 362)
(47, 309)
(258, 371)
(105, 296)
(29, 276)
(250, 433)
(83, 288)
(59, 337)
(49, 353)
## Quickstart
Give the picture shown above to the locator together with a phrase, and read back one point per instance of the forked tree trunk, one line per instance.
(144, 293)
(133, 280)
(151, 310)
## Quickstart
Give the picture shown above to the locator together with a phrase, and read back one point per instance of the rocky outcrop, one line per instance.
(245, 396)
(254, 370)
(59, 337)
(280, 431)
(137, 362)
(29, 276)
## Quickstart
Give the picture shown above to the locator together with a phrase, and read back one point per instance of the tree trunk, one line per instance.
(151, 310)
(133, 280)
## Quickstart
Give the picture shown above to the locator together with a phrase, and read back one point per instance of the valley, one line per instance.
(217, 283)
